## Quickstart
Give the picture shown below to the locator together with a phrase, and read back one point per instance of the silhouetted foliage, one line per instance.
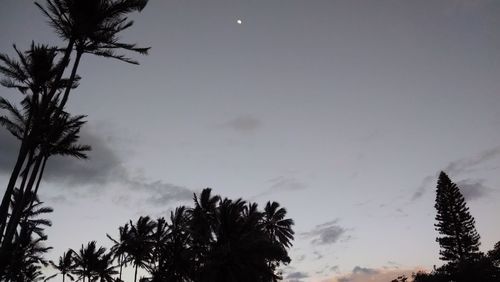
(23, 258)
(216, 240)
(459, 240)
(65, 266)
(42, 125)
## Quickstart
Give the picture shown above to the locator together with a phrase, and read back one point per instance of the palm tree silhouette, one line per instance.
(177, 263)
(23, 258)
(276, 225)
(92, 26)
(140, 244)
(65, 266)
(59, 135)
(33, 74)
(87, 260)
(119, 248)
(105, 269)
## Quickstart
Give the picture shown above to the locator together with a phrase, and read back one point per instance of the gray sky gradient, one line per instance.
(342, 111)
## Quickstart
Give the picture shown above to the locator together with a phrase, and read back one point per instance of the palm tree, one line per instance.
(119, 248)
(92, 26)
(59, 134)
(241, 250)
(177, 259)
(65, 265)
(276, 225)
(140, 244)
(23, 258)
(203, 217)
(87, 260)
(105, 269)
(33, 74)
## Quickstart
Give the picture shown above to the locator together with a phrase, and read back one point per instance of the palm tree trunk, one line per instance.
(39, 179)
(72, 77)
(65, 62)
(121, 265)
(135, 276)
(24, 174)
(18, 210)
(64, 276)
(4, 207)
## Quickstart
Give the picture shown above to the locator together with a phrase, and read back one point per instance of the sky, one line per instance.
(342, 111)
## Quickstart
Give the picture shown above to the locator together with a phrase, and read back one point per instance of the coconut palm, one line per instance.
(203, 217)
(276, 225)
(33, 74)
(241, 251)
(177, 260)
(23, 258)
(92, 26)
(119, 249)
(140, 243)
(65, 265)
(87, 260)
(59, 135)
(104, 269)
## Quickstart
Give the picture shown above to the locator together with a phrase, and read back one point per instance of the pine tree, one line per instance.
(459, 240)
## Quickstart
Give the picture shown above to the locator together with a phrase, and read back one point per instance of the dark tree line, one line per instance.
(217, 239)
(459, 242)
(44, 76)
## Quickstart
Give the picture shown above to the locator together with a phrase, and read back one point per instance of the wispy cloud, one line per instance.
(103, 168)
(245, 123)
(473, 187)
(283, 184)
(327, 233)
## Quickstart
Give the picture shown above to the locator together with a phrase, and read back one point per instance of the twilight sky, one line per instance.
(342, 111)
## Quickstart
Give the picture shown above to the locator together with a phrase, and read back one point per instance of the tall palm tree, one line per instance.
(119, 249)
(33, 74)
(87, 260)
(59, 135)
(203, 217)
(178, 258)
(65, 265)
(92, 26)
(140, 244)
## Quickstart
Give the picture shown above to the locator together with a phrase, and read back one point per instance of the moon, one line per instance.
(239, 21)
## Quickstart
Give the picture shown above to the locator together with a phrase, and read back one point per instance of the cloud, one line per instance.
(363, 274)
(327, 233)
(335, 268)
(459, 167)
(159, 192)
(471, 164)
(244, 123)
(296, 276)
(103, 167)
(283, 184)
(473, 189)
(99, 168)
(318, 255)
(364, 270)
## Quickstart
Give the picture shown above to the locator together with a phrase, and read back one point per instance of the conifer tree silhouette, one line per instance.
(459, 240)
